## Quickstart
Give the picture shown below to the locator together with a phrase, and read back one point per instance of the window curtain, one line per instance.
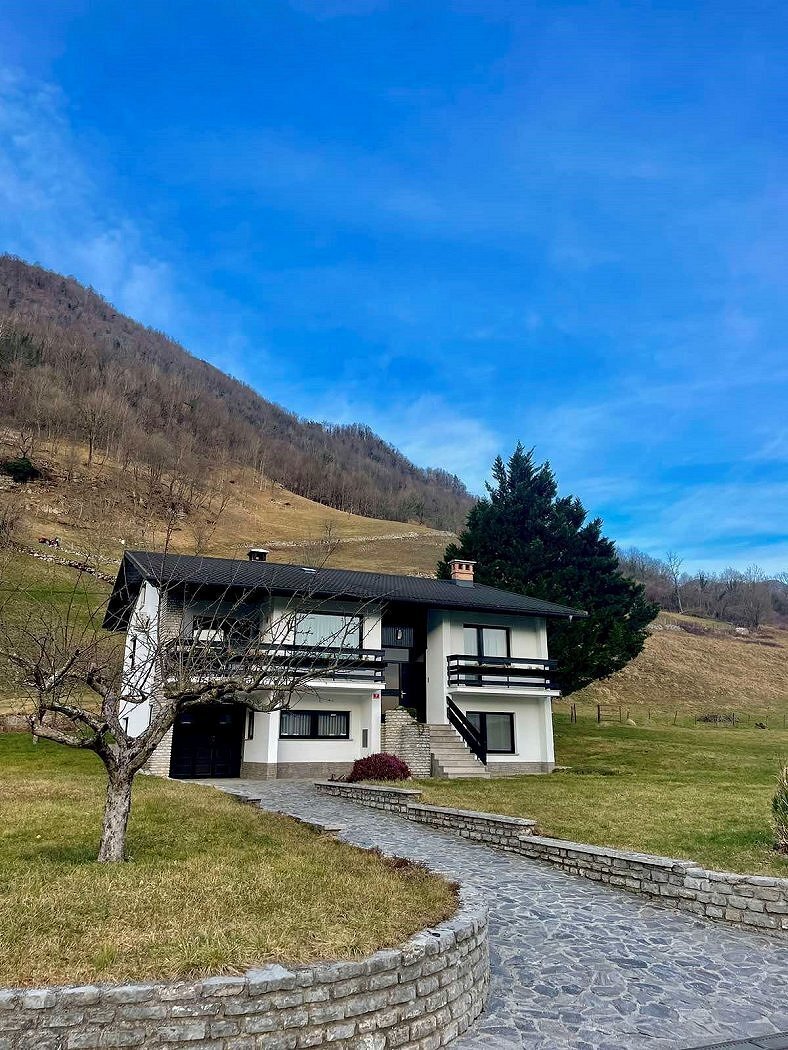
(329, 631)
(295, 723)
(335, 724)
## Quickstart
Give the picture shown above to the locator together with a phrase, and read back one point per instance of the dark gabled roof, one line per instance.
(173, 570)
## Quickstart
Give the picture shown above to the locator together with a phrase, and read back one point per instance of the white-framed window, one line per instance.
(327, 630)
(315, 725)
(496, 730)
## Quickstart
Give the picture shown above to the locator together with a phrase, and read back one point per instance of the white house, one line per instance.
(467, 661)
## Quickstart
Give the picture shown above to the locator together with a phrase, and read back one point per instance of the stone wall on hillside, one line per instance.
(417, 997)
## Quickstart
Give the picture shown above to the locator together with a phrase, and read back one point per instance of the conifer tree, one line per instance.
(526, 538)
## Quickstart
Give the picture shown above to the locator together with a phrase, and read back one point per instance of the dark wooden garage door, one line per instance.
(207, 742)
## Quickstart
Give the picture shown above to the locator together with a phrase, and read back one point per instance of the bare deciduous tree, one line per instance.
(756, 599)
(81, 690)
(674, 563)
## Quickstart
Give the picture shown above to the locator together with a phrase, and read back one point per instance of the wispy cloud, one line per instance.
(432, 432)
(54, 210)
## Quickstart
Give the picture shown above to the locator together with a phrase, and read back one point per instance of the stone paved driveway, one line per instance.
(577, 964)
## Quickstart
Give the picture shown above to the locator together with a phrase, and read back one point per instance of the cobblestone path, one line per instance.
(576, 964)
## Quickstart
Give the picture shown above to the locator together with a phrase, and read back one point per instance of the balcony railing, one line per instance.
(501, 671)
(303, 661)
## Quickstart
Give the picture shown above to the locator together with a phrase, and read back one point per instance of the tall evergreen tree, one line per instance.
(526, 538)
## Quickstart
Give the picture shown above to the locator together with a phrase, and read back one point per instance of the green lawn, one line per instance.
(213, 886)
(699, 793)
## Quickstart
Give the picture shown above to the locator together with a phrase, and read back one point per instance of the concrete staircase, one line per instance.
(451, 756)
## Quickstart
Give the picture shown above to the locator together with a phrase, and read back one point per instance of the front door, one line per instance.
(207, 742)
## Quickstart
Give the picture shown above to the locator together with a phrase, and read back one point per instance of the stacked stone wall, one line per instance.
(409, 740)
(417, 997)
(748, 900)
(491, 828)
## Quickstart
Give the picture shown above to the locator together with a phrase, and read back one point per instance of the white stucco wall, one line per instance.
(363, 707)
(527, 638)
(138, 679)
(533, 726)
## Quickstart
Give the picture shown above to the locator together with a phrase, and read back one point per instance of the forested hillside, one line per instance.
(75, 370)
(748, 597)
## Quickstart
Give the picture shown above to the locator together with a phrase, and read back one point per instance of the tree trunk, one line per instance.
(116, 818)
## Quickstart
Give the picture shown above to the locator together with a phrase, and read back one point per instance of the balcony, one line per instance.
(497, 672)
(216, 659)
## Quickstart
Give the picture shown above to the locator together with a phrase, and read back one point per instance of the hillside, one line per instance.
(74, 369)
(697, 666)
(97, 513)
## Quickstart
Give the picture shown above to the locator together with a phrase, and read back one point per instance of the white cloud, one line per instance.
(433, 433)
(54, 209)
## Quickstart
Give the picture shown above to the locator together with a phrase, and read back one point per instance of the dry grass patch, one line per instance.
(702, 793)
(716, 670)
(213, 886)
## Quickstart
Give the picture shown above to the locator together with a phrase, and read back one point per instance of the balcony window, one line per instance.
(315, 725)
(236, 631)
(496, 730)
(328, 631)
(486, 641)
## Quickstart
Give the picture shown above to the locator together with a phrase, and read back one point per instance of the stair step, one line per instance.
(452, 757)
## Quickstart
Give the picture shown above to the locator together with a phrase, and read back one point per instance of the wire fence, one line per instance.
(728, 718)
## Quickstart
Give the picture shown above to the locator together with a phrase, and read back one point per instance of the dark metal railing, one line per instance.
(467, 730)
(505, 671)
(217, 657)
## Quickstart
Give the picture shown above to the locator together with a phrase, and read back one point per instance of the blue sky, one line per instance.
(462, 223)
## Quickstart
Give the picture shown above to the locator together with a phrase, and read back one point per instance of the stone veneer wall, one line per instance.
(750, 900)
(417, 997)
(491, 828)
(293, 770)
(403, 736)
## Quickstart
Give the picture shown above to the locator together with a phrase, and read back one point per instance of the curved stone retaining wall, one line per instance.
(416, 997)
(750, 900)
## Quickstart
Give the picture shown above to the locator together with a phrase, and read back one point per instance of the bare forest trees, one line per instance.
(746, 597)
(82, 688)
(74, 370)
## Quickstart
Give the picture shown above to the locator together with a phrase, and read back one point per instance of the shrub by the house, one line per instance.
(378, 767)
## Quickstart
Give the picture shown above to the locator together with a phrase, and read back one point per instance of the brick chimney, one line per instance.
(462, 571)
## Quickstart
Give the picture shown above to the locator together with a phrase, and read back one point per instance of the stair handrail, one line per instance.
(469, 733)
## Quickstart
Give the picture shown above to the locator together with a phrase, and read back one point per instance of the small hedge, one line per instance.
(378, 767)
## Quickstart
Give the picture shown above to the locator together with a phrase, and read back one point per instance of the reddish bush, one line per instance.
(378, 767)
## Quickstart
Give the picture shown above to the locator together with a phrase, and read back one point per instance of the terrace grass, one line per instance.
(698, 793)
(212, 886)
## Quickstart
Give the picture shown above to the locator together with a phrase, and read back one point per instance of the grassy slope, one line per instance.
(214, 886)
(699, 793)
(715, 671)
(98, 503)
